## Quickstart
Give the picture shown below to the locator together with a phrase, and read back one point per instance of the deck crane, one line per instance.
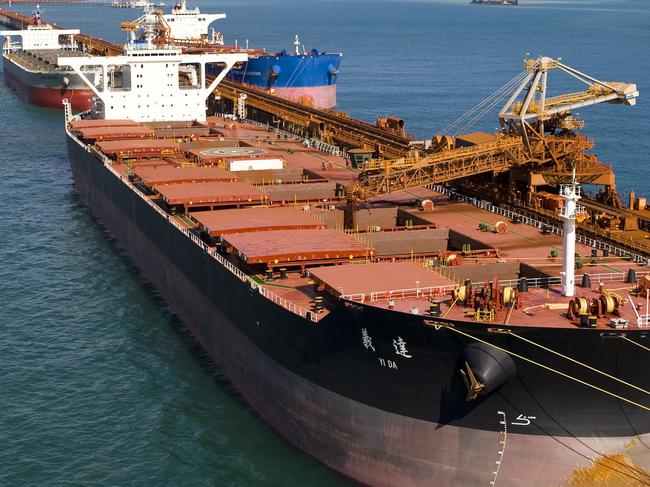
(531, 112)
(537, 131)
(152, 20)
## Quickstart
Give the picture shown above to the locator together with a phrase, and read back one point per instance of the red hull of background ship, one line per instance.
(312, 96)
(376, 394)
(47, 89)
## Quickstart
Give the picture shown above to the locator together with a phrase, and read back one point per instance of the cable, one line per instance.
(546, 367)
(487, 100)
(578, 362)
(635, 343)
(498, 97)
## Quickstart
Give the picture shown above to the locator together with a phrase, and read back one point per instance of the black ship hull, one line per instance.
(376, 416)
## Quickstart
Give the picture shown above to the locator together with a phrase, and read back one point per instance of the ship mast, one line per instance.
(296, 43)
(570, 213)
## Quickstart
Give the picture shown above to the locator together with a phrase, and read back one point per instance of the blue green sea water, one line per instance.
(100, 384)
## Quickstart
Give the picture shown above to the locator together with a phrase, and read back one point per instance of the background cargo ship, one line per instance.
(30, 65)
(307, 77)
(381, 368)
(495, 2)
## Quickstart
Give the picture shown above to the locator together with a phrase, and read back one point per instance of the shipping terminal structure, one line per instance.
(398, 333)
(307, 77)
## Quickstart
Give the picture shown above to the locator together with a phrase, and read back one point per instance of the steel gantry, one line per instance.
(531, 112)
(537, 133)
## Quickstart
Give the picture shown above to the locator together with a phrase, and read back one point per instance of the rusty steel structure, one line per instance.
(533, 134)
(537, 134)
(439, 168)
(331, 127)
(506, 152)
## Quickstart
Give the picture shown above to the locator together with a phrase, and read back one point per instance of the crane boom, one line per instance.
(501, 155)
(523, 141)
(529, 102)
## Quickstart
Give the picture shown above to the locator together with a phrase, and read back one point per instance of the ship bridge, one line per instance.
(39, 37)
(149, 84)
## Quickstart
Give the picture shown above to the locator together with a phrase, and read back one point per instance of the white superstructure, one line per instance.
(149, 83)
(39, 37)
(189, 24)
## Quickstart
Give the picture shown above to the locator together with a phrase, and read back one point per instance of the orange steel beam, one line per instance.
(501, 155)
(346, 131)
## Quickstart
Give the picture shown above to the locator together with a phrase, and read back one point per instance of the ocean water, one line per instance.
(100, 383)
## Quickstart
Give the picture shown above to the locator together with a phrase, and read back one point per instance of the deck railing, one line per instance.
(427, 292)
(554, 229)
(318, 144)
(108, 163)
(605, 277)
(434, 291)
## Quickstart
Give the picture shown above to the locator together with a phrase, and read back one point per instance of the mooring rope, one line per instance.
(609, 376)
(635, 343)
(550, 369)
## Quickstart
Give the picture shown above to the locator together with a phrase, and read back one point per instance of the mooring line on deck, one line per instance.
(550, 369)
(579, 363)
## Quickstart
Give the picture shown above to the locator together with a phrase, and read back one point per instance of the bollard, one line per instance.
(630, 277)
(434, 309)
(522, 287)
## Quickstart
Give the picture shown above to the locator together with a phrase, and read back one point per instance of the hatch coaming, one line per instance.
(391, 238)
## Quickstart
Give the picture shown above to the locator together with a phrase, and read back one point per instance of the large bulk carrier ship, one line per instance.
(419, 349)
(30, 65)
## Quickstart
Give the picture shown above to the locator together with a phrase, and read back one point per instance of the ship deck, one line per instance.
(283, 228)
(168, 174)
(221, 222)
(43, 60)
